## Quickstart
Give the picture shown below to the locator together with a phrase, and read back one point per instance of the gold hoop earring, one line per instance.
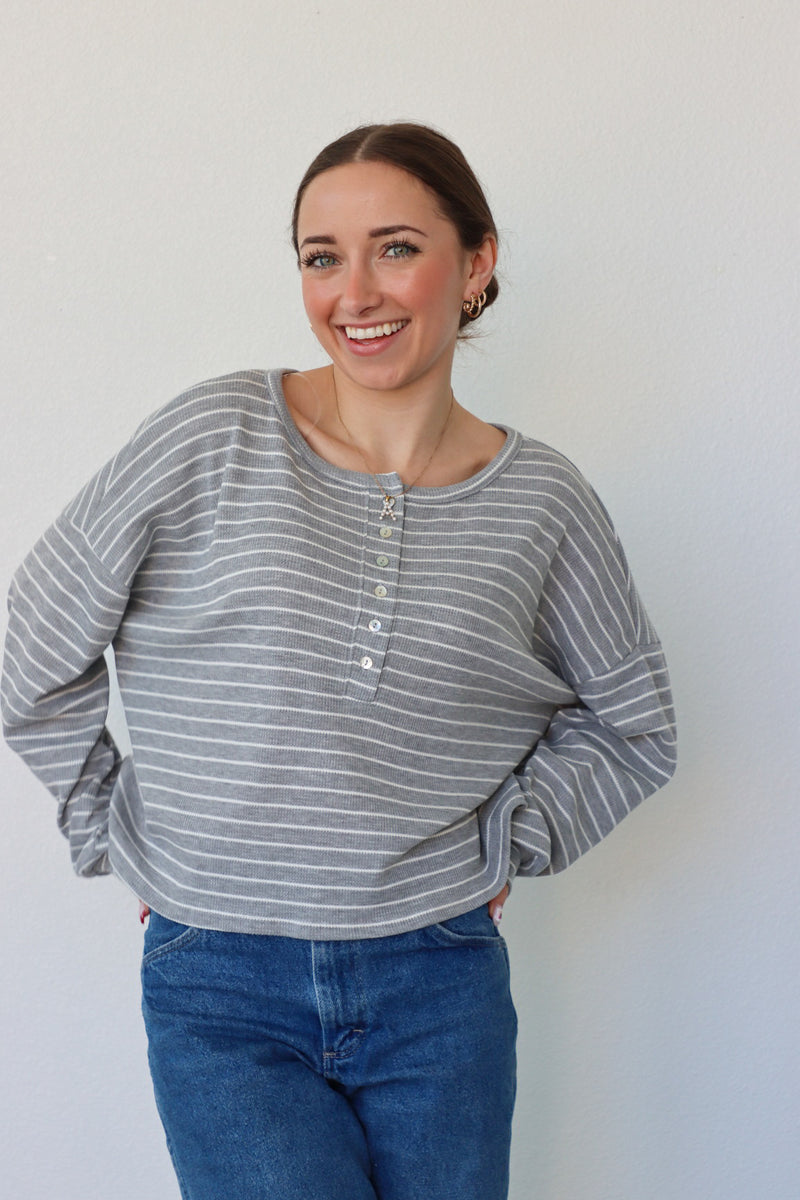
(474, 306)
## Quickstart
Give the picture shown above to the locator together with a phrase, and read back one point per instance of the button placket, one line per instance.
(381, 569)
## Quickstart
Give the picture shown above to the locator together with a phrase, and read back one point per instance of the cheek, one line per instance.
(438, 286)
(314, 300)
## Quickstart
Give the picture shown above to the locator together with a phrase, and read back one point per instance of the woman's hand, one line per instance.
(144, 911)
(496, 905)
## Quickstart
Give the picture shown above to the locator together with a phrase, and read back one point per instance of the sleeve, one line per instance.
(600, 757)
(69, 597)
(64, 609)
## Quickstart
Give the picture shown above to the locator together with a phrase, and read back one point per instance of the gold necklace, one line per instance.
(389, 500)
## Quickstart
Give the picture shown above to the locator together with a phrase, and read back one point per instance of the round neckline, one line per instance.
(391, 480)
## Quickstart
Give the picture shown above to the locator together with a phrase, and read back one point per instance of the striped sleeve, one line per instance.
(601, 757)
(64, 609)
(69, 597)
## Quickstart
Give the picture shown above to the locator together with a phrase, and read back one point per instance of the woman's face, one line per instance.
(384, 275)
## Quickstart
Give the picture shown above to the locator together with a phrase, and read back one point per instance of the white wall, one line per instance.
(642, 160)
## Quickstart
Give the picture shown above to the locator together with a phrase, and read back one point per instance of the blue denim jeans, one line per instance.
(377, 1069)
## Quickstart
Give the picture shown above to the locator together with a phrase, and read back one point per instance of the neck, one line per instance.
(397, 430)
(427, 438)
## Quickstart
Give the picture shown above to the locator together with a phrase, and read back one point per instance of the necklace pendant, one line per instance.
(388, 508)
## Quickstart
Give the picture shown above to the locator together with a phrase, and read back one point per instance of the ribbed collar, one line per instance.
(391, 480)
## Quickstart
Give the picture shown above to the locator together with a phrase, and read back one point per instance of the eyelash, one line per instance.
(403, 244)
(310, 260)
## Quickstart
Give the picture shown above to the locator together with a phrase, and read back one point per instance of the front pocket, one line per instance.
(475, 928)
(164, 937)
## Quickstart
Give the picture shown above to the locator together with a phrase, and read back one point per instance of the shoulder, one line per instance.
(176, 452)
(213, 405)
(541, 462)
(197, 426)
(545, 478)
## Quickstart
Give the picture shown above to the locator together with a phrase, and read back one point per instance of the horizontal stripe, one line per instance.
(515, 708)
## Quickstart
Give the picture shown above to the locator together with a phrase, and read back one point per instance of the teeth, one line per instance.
(374, 331)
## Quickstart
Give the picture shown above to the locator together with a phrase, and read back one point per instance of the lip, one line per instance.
(369, 346)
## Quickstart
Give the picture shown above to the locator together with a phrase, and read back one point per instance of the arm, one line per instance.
(69, 597)
(600, 757)
(64, 609)
(592, 768)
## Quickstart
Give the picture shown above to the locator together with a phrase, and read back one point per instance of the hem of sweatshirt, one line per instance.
(307, 930)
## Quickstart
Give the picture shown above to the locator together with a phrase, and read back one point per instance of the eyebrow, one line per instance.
(325, 239)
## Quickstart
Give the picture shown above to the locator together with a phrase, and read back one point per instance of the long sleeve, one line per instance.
(64, 609)
(339, 727)
(600, 757)
(67, 602)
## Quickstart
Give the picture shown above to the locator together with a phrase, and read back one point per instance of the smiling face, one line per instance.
(384, 275)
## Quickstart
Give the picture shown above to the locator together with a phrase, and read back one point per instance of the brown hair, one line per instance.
(432, 159)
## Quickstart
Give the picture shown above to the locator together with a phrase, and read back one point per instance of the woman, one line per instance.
(377, 658)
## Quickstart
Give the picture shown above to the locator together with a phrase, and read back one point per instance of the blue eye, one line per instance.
(318, 261)
(401, 250)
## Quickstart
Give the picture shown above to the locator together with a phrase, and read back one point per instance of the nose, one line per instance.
(360, 291)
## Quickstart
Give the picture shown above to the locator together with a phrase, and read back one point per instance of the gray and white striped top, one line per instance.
(342, 725)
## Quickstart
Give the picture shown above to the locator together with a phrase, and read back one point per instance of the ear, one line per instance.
(482, 263)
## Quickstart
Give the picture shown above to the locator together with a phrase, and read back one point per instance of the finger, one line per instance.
(496, 905)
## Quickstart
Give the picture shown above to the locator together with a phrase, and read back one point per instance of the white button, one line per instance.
(380, 591)
(374, 626)
(366, 662)
(382, 560)
(386, 531)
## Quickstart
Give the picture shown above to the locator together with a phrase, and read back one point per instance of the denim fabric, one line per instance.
(318, 1070)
